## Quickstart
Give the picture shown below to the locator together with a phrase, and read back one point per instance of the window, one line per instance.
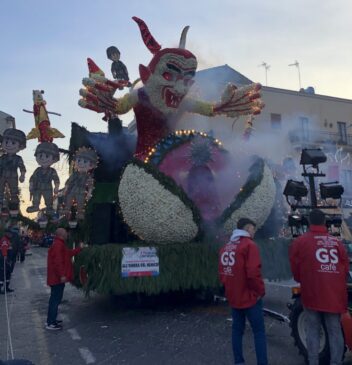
(275, 121)
(346, 181)
(342, 130)
(304, 122)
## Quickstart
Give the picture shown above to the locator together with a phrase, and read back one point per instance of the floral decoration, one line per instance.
(259, 201)
(154, 210)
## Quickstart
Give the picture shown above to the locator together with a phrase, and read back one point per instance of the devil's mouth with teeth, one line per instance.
(172, 100)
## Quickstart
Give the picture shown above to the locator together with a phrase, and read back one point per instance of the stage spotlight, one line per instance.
(331, 190)
(335, 221)
(312, 157)
(297, 189)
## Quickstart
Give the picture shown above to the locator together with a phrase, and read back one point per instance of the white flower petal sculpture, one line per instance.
(258, 205)
(152, 211)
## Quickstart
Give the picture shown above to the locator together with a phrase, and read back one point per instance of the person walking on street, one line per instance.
(59, 272)
(15, 246)
(5, 262)
(240, 272)
(319, 262)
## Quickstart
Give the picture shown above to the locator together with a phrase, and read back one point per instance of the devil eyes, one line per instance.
(172, 77)
(168, 76)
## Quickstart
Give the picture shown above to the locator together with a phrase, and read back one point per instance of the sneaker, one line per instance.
(53, 327)
(58, 321)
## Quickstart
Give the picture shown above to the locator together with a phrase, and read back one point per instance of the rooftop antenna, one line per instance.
(296, 63)
(266, 67)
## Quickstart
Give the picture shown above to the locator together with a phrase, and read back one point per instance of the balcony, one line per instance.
(314, 138)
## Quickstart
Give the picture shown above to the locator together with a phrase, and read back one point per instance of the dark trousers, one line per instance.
(256, 320)
(336, 341)
(6, 272)
(57, 291)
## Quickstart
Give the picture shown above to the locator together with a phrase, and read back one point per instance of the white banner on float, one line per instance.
(139, 261)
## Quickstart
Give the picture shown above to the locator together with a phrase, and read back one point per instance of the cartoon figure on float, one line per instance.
(158, 105)
(118, 68)
(13, 141)
(40, 183)
(79, 186)
(43, 130)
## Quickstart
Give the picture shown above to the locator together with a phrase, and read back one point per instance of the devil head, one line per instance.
(170, 73)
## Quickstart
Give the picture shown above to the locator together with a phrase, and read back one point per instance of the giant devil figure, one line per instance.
(162, 98)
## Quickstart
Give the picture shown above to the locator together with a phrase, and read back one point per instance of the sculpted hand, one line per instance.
(99, 91)
(239, 101)
(95, 99)
(63, 279)
(21, 179)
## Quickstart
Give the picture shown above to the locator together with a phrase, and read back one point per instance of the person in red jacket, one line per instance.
(240, 272)
(59, 272)
(319, 262)
(5, 262)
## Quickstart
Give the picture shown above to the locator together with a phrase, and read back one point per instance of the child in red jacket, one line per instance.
(240, 272)
(59, 272)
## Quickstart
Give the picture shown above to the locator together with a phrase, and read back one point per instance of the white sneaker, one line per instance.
(53, 327)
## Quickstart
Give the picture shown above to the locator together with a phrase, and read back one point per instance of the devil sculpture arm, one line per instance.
(234, 102)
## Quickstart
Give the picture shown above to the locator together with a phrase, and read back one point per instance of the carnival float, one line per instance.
(180, 193)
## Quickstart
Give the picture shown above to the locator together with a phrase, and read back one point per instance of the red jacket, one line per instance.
(5, 245)
(240, 272)
(60, 262)
(319, 262)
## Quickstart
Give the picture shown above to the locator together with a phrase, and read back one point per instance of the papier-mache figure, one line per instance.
(41, 182)
(42, 130)
(163, 99)
(118, 68)
(79, 186)
(13, 141)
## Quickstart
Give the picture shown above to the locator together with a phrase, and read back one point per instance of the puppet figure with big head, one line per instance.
(79, 186)
(40, 183)
(13, 141)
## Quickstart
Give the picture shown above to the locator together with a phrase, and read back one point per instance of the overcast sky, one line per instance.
(44, 45)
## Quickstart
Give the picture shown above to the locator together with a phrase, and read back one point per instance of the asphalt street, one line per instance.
(105, 330)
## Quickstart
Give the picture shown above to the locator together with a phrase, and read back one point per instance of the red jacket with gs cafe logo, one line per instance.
(319, 262)
(240, 272)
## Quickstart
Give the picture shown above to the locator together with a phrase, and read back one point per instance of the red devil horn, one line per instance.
(148, 39)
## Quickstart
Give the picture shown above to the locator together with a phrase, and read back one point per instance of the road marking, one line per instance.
(87, 355)
(27, 283)
(42, 341)
(74, 334)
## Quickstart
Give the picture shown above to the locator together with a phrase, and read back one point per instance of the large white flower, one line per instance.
(152, 211)
(258, 205)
